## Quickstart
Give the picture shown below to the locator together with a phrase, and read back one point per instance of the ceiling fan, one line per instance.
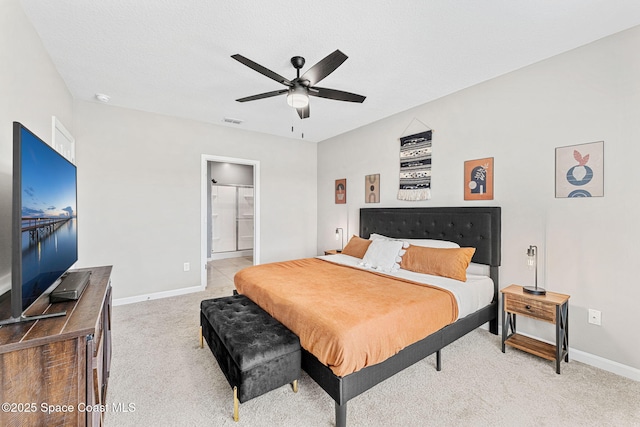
(299, 89)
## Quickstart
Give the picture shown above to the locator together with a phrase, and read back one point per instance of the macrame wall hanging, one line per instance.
(415, 165)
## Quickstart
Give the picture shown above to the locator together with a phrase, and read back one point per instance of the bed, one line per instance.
(477, 227)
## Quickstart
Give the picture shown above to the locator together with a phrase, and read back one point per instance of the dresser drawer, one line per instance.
(527, 306)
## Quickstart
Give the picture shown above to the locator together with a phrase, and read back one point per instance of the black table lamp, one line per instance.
(532, 261)
(340, 235)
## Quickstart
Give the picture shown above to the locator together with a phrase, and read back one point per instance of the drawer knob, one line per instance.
(528, 307)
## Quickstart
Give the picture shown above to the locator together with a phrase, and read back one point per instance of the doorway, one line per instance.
(230, 213)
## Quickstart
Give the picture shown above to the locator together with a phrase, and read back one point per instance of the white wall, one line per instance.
(31, 91)
(587, 246)
(139, 201)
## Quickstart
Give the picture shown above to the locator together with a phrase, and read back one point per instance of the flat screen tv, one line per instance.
(44, 228)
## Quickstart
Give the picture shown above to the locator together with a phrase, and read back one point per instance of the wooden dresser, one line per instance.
(55, 371)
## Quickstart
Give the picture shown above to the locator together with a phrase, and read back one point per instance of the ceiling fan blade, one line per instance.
(338, 95)
(323, 68)
(303, 112)
(263, 95)
(262, 70)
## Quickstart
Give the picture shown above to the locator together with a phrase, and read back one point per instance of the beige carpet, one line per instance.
(159, 368)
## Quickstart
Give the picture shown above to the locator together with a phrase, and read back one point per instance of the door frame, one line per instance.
(204, 201)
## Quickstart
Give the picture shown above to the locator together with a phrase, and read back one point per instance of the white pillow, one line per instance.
(429, 243)
(374, 236)
(478, 269)
(383, 255)
(433, 243)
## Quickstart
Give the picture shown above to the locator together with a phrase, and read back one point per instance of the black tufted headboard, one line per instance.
(477, 227)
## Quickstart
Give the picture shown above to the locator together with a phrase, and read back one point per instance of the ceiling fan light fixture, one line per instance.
(297, 97)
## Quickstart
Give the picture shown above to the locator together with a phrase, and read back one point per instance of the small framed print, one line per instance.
(372, 188)
(580, 170)
(478, 179)
(341, 191)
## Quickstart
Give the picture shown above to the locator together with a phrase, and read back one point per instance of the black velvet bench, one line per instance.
(256, 353)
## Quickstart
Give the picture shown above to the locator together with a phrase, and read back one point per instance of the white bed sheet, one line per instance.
(472, 295)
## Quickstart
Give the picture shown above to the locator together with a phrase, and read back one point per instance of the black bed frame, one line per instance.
(477, 227)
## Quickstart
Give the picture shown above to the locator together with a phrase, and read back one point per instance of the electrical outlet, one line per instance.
(187, 266)
(595, 317)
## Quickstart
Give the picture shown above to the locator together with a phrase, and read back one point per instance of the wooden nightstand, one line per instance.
(332, 251)
(552, 308)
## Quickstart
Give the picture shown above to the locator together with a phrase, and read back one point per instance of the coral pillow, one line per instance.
(356, 247)
(445, 262)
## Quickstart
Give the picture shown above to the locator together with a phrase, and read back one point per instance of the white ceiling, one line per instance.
(173, 56)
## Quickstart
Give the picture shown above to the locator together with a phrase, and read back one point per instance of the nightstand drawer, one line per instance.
(527, 306)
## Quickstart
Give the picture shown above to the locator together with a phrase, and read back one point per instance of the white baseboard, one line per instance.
(604, 364)
(591, 359)
(157, 295)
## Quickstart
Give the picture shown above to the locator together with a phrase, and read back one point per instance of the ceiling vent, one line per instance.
(232, 121)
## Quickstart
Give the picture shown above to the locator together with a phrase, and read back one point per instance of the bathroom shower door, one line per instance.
(232, 218)
(244, 219)
(223, 212)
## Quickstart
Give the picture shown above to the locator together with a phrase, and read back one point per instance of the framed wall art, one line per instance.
(372, 188)
(580, 170)
(341, 191)
(478, 179)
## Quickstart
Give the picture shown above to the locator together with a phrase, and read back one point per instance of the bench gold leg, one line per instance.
(201, 338)
(236, 416)
(294, 384)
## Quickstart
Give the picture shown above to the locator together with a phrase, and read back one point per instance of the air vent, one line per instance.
(232, 121)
